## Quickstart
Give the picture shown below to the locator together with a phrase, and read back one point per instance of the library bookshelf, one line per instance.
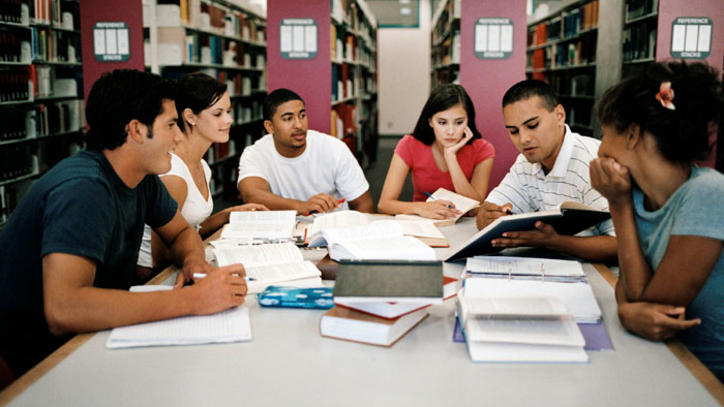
(41, 88)
(226, 41)
(338, 82)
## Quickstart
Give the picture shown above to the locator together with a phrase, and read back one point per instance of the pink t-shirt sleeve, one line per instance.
(483, 150)
(405, 149)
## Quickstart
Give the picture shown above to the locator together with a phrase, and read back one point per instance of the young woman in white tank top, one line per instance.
(204, 111)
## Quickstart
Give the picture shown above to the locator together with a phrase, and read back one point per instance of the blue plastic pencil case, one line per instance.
(292, 297)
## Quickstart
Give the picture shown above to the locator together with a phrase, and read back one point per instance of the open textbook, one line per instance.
(342, 223)
(260, 225)
(231, 325)
(267, 264)
(461, 202)
(383, 240)
(568, 218)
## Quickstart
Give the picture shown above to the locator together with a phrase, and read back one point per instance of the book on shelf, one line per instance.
(260, 225)
(347, 324)
(270, 264)
(391, 309)
(231, 325)
(389, 281)
(576, 296)
(568, 218)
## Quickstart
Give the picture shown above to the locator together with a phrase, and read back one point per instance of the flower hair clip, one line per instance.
(666, 95)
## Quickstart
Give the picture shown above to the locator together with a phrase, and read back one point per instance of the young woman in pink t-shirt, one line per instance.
(445, 150)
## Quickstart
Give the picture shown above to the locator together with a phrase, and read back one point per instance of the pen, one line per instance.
(432, 198)
(202, 275)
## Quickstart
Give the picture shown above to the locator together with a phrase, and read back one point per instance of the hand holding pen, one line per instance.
(436, 208)
(319, 203)
(489, 212)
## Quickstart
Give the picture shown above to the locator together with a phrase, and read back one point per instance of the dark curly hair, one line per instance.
(682, 135)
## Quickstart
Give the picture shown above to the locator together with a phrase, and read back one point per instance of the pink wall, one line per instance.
(669, 10)
(93, 11)
(487, 80)
(310, 78)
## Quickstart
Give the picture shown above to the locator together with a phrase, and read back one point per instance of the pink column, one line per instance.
(310, 78)
(486, 80)
(94, 11)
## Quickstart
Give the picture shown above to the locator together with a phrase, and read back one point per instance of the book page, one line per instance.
(280, 272)
(393, 248)
(461, 202)
(375, 230)
(523, 266)
(498, 307)
(417, 228)
(259, 255)
(542, 332)
(577, 297)
(338, 220)
(260, 224)
(231, 325)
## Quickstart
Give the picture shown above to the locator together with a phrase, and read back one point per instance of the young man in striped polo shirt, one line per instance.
(552, 167)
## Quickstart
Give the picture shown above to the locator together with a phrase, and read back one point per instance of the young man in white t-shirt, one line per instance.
(300, 169)
(552, 167)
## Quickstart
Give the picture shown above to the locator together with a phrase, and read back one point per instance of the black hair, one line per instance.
(528, 88)
(442, 98)
(682, 135)
(276, 98)
(196, 91)
(120, 96)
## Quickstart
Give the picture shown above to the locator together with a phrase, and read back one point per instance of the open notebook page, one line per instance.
(231, 325)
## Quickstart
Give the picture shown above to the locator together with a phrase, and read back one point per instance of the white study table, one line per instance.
(288, 363)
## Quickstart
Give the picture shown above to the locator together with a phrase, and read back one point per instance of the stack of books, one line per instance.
(520, 329)
(526, 310)
(379, 302)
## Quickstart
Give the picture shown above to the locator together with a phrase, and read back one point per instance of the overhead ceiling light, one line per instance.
(404, 1)
(405, 11)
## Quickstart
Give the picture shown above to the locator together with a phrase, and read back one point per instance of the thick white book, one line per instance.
(577, 297)
(231, 325)
(347, 324)
(269, 264)
(260, 225)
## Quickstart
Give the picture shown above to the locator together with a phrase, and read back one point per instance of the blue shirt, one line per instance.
(695, 209)
(80, 207)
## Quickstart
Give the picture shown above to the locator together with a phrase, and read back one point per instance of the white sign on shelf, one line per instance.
(493, 38)
(298, 38)
(691, 37)
(111, 42)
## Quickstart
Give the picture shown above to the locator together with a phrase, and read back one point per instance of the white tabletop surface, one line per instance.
(288, 363)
